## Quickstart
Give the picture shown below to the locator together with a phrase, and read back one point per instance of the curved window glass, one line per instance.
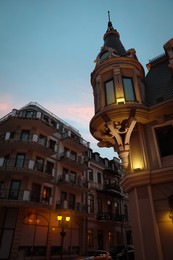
(109, 92)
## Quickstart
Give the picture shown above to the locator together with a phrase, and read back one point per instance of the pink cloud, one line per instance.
(72, 112)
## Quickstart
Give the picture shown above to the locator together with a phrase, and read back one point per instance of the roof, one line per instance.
(158, 81)
(112, 40)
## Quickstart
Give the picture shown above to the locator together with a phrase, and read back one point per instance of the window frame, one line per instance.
(112, 98)
(132, 89)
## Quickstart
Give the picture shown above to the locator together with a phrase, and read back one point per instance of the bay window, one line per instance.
(128, 89)
(109, 92)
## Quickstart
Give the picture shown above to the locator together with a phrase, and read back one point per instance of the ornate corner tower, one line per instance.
(118, 87)
(134, 115)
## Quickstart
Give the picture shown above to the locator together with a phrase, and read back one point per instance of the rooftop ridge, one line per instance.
(52, 114)
(157, 58)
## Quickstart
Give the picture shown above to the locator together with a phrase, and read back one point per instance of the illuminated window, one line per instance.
(46, 194)
(128, 89)
(109, 92)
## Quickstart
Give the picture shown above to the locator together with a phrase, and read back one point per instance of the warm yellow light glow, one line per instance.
(67, 219)
(120, 100)
(171, 215)
(59, 218)
(137, 164)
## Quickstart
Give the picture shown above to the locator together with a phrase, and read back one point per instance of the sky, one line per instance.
(48, 48)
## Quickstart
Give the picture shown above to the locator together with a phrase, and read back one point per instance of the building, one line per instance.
(57, 197)
(134, 115)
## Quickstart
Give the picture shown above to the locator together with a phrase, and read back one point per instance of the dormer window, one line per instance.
(128, 89)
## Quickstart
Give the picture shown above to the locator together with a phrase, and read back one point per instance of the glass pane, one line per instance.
(25, 135)
(20, 160)
(128, 89)
(14, 190)
(110, 94)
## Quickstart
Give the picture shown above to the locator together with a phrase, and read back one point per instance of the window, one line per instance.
(110, 239)
(39, 164)
(99, 179)
(100, 205)
(46, 194)
(63, 196)
(90, 238)
(65, 171)
(109, 92)
(90, 175)
(109, 205)
(128, 89)
(35, 193)
(71, 201)
(42, 140)
(165, 140)
(20, 159)
(72, 177)
(14, 190)
(1, 183)
(91, 202)
(24, 135)
(73, 155)
(52, 144)
(49, 167)
(28, 113)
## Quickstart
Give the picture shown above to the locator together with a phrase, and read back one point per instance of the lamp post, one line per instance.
(63, 222)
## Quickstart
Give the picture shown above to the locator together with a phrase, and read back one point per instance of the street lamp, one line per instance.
(63, 222)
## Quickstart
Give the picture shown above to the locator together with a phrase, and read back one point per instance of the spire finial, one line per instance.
(109, 16)
(110, 27)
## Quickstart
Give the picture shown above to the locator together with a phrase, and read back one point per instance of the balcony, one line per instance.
(29, 119)
(67, 180)
(31, 141)
(112, 188)
(111, 217)
(68, 205)
(73, 161)
(75, 141)
(29, 168)
(23, 198)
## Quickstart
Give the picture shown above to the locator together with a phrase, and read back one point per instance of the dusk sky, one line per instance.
(48, 48)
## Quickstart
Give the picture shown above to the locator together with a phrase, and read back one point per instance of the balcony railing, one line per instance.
(75, 138)
(26, 165)
(112, 186)
(28, 139)
(72, 180)
(72, 157)
(110, 216)
(24, 196)
(65, 204)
